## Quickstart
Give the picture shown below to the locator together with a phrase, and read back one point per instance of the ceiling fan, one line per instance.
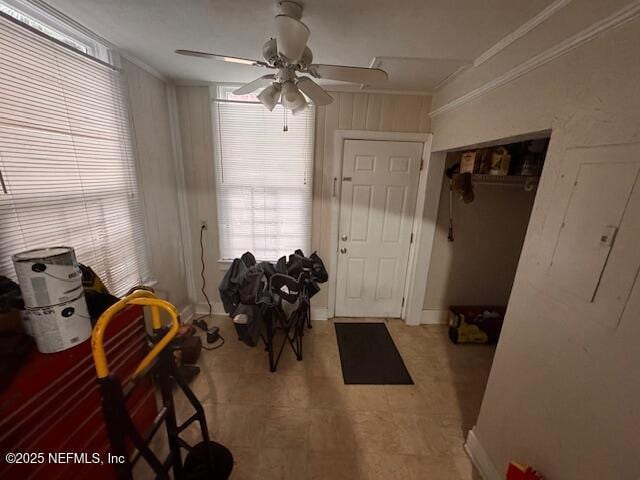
(289, 55)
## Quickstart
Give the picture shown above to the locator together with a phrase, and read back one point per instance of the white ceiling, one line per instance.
(419, 42)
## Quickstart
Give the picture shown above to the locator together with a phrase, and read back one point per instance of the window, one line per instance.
(42, 20)
(263, 177)
(66, 161)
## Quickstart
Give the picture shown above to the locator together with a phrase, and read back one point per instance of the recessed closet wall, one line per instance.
(479, 266)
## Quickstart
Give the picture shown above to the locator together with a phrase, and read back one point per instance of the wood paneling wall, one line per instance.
(151, 126)
(196, 136)
(353, 111)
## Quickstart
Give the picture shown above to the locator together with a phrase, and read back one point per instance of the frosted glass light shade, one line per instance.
(292, 36)
(300, 108)
(269, 96)
(291, 96)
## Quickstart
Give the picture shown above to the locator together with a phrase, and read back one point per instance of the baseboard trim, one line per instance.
(186, 314)
(203, 309)
(480, 458)
(434, 317)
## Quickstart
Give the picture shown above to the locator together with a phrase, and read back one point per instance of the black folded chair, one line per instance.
(310, 271)
(286, 313)
(274, 299)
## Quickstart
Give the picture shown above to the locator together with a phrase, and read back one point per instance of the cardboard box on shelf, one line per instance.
(500, 161)
(467, 162)
(476, 161)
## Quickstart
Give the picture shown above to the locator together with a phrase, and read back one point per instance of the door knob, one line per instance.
(344, 237)
(343, 250)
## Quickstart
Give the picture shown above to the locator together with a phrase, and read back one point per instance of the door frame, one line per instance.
(423, 229)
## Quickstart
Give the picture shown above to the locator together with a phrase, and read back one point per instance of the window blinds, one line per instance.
(264, 179)
(66, 160)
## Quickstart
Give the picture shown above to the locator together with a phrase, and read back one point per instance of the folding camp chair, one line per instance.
(310, 271)
(286, 312)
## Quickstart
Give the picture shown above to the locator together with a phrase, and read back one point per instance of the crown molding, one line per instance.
(521, 31)
(462, 68)
(615, 20)
(514, 36)
(75, 25)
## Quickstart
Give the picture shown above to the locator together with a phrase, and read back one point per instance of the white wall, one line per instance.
(563, 393)
(353, 111)
(150, 120)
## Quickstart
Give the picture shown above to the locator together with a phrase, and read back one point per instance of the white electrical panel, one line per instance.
(595, 259)
(596, 208)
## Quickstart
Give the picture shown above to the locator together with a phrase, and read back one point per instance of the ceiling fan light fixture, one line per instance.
(269, 96)
(291, 96)
(289, 55)
(292, 36)
(300, 108)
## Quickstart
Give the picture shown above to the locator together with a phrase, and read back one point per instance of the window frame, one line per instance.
(106, 57)
(225, 88)
(94, 49)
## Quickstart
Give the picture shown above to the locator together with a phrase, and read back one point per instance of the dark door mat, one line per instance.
(369, 356)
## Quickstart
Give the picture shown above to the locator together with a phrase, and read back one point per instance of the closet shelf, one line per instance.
(507, 180)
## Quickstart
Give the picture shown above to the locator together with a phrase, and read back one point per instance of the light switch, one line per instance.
(608, 236)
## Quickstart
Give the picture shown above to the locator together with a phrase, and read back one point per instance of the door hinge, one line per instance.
(403, 301)
(411, 239)
(421, 164)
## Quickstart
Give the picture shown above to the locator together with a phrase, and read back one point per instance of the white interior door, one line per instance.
(378, 200)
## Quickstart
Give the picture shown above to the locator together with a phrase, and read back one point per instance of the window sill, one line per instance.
(224, 265)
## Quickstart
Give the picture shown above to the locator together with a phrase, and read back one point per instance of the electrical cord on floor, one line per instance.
(213, 334)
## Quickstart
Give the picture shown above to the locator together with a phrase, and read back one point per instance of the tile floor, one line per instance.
(303, 423)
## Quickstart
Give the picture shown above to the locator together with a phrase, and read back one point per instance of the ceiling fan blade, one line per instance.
(291, 37)
(263, 81)
(348, 74)
(223, 58)
(314, 91)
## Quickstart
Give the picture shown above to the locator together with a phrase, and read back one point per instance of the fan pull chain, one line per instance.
(285, 128)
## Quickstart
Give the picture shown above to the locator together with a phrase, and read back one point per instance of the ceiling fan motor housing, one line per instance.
(290, 9)
(286, 74)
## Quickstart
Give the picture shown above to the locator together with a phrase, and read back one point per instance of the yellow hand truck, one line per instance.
(206, 459)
